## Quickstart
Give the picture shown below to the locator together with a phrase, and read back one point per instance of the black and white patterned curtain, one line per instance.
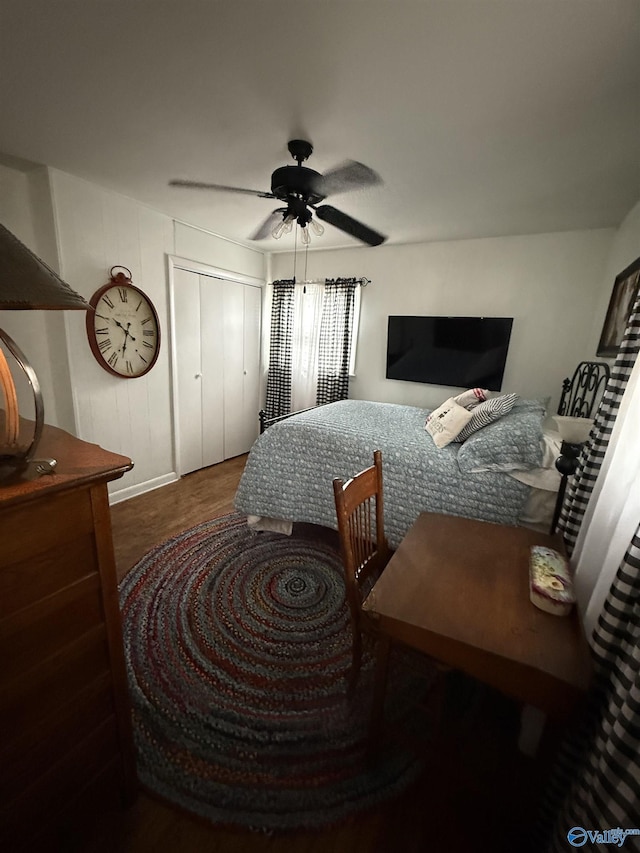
(581, 484)
(595, 787)
(335, 340)
(278, 396)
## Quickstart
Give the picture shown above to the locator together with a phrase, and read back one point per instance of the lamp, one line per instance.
(26, 283)
(297, 211)
(573, 432)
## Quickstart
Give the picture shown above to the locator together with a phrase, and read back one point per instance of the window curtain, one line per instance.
(335, 340)
(278, 396)
(600, 510)
(310, 344)
(305, 344)
(596, 781)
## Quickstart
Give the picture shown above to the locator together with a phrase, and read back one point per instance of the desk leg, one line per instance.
(379, 690)
(532, 723)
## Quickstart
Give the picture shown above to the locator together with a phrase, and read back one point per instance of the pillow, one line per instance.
(445, 422)
(486, 413)
(547, 476)
(472, 398)
(468, 399)
(512, 443)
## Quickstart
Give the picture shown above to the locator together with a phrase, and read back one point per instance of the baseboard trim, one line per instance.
(141, 488)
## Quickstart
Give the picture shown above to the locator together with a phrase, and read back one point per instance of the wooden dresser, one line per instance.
(65, 727)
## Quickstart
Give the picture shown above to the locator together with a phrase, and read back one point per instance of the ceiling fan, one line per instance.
(302, 189)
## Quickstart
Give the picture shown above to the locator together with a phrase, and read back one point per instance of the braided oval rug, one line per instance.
(238, 650)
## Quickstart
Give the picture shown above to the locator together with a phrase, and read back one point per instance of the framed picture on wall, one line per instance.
(625, 290)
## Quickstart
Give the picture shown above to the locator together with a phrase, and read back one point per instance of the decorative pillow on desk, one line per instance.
(445, 422)
(486, 413)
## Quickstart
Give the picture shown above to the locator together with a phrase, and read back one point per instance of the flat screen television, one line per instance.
(465, 352)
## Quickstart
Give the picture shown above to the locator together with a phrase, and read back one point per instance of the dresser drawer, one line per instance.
(46, 628)
(27, 757)
(41, 802)
(26, 581)
(41, 525)
(29, 699)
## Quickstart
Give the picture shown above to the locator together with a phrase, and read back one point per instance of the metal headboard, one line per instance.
(581, 394)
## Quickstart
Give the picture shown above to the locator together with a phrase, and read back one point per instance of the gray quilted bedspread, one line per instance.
(291, 467)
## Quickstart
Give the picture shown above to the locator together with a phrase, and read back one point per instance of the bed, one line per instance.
(490, 476)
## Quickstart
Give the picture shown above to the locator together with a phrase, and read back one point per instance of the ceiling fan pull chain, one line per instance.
(295, 252)
(306, 256)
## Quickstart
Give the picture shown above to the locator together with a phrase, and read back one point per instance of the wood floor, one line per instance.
(478, 793)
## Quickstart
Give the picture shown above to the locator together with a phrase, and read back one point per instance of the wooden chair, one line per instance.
(363, 544)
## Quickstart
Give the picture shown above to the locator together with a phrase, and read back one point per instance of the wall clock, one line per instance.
(123, 328)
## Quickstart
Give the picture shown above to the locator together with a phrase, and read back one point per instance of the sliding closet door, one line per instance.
(242, 306)
(199, 355)
(217, 356)
(188, 369)
(212, 322)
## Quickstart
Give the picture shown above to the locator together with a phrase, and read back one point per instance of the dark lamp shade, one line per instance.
(27, 283)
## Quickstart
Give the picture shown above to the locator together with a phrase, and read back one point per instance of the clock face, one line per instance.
(123, 330)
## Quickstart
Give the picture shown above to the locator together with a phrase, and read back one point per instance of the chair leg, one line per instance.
(379, 689)
(356, 658)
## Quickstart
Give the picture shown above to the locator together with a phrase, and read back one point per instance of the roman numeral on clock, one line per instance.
(124, 293)
(108, 301)
(105, 345)
(113, 359)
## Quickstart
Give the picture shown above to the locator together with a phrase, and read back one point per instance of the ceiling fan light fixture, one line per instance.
(305, 236)
(316, 227)
(299, 188)
(284, 226)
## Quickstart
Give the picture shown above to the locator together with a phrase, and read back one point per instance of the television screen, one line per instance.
(465, 352)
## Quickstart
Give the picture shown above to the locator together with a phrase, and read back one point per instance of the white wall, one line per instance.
(82, 231)
(98, 229)
(550, 283)
(625, 249)
(198, 245)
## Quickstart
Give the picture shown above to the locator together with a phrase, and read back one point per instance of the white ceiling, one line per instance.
(483, 117)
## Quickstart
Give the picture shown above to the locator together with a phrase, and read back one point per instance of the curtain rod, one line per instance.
(363, 282)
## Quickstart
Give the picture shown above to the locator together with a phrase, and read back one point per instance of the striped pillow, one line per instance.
(486, 413)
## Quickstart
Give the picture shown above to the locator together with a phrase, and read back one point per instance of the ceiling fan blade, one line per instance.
(269, 224)
(349, 225)
(350, 175)
(200, 185)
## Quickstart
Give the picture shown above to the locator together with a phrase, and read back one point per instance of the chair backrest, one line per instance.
(360, 514)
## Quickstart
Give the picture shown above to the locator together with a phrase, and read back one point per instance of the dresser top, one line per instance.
(78, 463)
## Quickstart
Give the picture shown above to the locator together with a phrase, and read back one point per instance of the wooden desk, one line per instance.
(458, 590)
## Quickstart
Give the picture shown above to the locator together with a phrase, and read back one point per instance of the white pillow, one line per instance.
(445, 422)
(468, 399)
(472, 398)
(486, 413)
